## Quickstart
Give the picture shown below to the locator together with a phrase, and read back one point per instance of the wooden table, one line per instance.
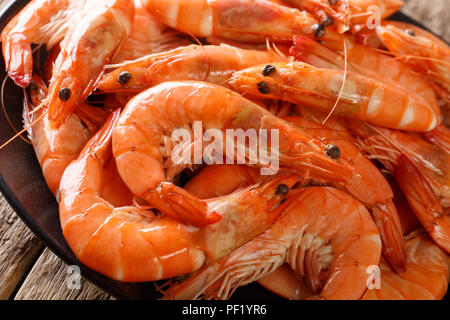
(28, 270)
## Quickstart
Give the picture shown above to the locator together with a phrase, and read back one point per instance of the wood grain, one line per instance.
(52, 279)
(19, 249)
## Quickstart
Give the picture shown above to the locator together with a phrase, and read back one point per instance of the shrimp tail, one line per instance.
(183, 206)
(388, 224)
(424, 202)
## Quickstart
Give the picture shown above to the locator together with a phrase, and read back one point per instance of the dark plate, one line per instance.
(23, 185)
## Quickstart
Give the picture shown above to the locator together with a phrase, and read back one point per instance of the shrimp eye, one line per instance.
(333, 2)
(282, 189)
(333, 151)
(64, 94)
(318, 30)
(327, 21)
(268, 70)
(263, 87)
(410, 32)
(124, 77)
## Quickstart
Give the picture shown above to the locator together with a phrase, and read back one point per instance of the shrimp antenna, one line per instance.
(341, 91)
(24, 130)
(6, 114)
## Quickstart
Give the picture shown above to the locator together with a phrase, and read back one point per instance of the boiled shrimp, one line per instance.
(379, 66)
(367, 185)
(426, 277)
(132, 244)
(57, 148)
(214, 64)
(240, 20)
(424, 51)
(143, 149)
(331, 251)
(40, 22)
(370, 63)
(420, 168)
(89, 45)
(361, 98)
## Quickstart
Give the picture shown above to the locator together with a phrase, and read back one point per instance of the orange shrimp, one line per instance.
(331, 251)
(40, 22)
(214, 64)
(378, 66)
(367, 62)
(89, 45)
(424, 51)
(133, 244)
(421, 169)
(367, 184)
(143, 150)
(57, 148)
(362, 97)
(240, 20)
(426, 278)
(148, 35)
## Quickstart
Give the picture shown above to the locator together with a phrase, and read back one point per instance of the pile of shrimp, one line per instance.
(359, 208)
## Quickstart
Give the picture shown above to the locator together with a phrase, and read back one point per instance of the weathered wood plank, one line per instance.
(19, 249)
(52, 279)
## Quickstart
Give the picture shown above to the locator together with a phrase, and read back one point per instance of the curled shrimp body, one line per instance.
(132, 244)
(143, 155)
(420, 168)
(238, 20)
(40, 22)
(215, 64)
(362, 97)
(57, 148)
(89, 45)
(429, 55)
(426, 277)
(367, 184)
(330, 251)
